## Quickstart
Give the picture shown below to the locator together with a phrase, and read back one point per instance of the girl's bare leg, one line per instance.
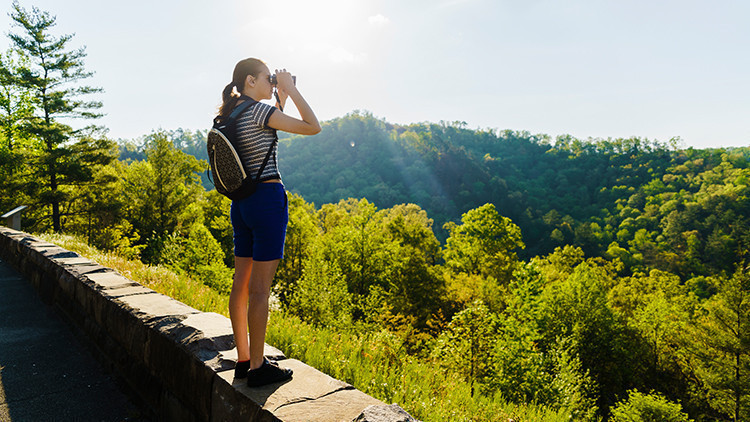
(261, 277)
(238, 298)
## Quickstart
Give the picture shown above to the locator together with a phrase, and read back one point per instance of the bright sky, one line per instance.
(589, 68)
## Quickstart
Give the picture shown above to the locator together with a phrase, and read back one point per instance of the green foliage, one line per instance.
(321, 295)
(465, 348)
(483, 244)
(523, 372)
(160, 194)
(576, 309)
(16, 101)
(658, 307)
(301, 235)
(641, 407)
(646, 203)
(719, 338)
(41, 88)
(377, 363)
(216, 212)
(386, 258)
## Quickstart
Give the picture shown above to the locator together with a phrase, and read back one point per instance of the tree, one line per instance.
(353, 235)
(483, 244)
(216, 211)
(301, 232)
(466, 347)
(415, 288)
(321, 296)
(577, 309)
(163, 193)
(720, 339)
(50, 71)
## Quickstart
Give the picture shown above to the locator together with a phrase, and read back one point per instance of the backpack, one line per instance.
(229, 176)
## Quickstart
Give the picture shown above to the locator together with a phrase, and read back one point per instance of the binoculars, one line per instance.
(274, 81)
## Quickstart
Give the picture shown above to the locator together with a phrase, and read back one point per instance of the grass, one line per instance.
(161, 279)
(373, 363)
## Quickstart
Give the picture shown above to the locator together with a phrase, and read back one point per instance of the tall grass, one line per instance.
(374, 363)
(161, 279)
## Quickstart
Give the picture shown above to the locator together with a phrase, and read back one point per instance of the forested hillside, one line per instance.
(648, 203)
(465, 274)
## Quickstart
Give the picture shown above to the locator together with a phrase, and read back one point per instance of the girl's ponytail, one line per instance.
(228, 100)
(241, 70)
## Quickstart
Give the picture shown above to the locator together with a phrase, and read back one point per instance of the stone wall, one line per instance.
(177, 359)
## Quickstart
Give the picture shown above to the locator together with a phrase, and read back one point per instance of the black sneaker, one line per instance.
(241, 368)
(268, 373)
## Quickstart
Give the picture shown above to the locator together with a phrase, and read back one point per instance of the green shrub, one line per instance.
(652, 407)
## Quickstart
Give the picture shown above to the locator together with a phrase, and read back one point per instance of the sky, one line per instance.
(654, 69)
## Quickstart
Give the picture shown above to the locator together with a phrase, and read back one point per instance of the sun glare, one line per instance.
(337, 31)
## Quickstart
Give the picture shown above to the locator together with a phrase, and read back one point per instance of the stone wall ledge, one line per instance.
(178, 360)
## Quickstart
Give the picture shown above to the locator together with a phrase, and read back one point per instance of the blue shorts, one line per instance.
(259, 223)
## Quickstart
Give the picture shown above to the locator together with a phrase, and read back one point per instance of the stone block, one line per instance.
(384, 413)
(229, 403)
(309, 396)
(67, 284)
(171, 360)
(173, 409)
(86, 268)
(126, 328)
(75, 260)
(125, 291)
(56, 253)
(268, 351)
(211, 333)
(340, 406)
(109, 280)
(153, 305)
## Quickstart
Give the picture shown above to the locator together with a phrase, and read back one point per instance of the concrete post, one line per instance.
(15, 217)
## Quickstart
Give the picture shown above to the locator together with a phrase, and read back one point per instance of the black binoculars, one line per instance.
(274, 82)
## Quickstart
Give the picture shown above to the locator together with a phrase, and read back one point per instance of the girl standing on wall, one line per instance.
(259, 221)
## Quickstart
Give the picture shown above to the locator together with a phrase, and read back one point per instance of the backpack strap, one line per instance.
(249, 185)
(265, 160)
(236, 112)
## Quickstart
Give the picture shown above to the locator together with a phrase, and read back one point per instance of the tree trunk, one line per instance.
(737, 389)
(55, 202)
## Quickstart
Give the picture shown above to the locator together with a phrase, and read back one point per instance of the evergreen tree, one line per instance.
(163, 193)
(720, 339)
(51, 72)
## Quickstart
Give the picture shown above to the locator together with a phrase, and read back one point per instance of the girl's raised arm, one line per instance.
(308, 125)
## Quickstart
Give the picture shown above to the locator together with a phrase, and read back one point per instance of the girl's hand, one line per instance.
(309, 124)
(284, 82)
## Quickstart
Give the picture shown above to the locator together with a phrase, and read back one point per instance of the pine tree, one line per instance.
(720, 340)
(51, 72)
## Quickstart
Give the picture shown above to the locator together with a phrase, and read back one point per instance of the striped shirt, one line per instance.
(254, 137)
